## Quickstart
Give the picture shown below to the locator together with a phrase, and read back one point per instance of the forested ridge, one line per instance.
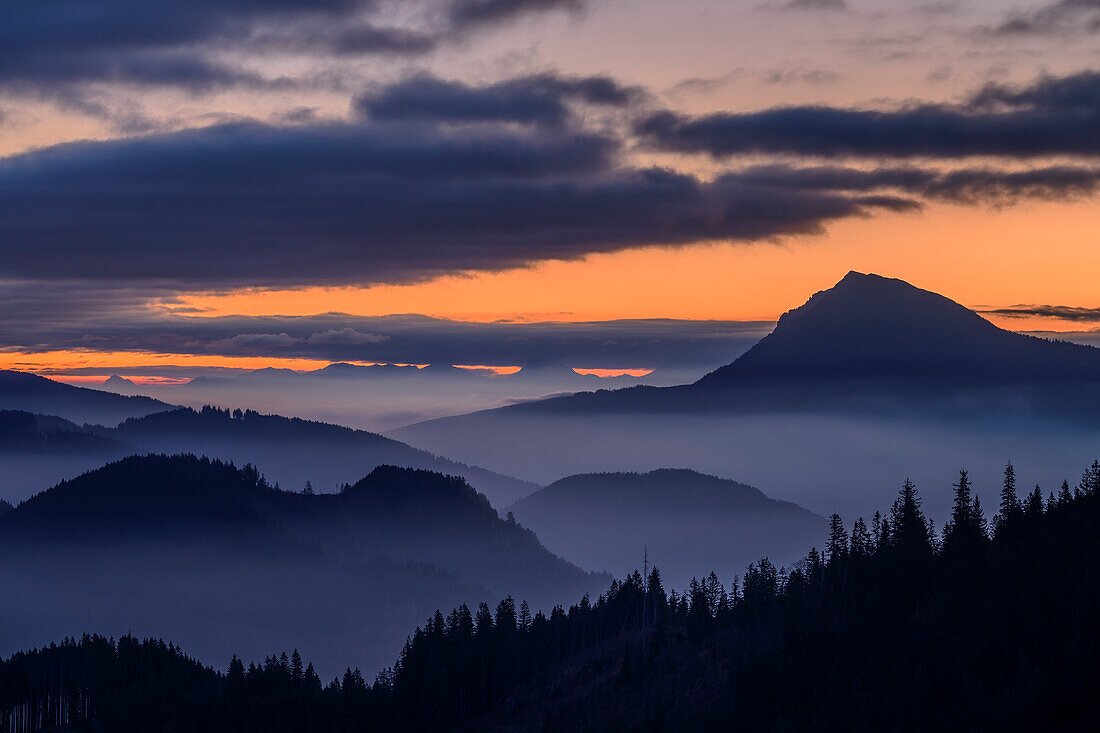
(989, 624)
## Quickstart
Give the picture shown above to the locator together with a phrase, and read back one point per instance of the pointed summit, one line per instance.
(869, 326)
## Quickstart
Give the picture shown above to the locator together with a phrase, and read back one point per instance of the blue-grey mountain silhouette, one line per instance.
(687, 522)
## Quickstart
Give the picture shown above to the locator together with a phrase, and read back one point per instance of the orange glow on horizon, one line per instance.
(49, 362)
(971, 255)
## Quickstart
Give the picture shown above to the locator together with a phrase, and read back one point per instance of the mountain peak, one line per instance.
(870, 326)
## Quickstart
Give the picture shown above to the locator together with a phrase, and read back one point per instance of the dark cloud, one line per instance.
(141, 43)
(364, 203)
(541, 99)
(1063, 16)
(962, 186)
(1076, 92)
(466, 13)
(815, 5)
(1059, 312)
(1054, 116)
(47, 46)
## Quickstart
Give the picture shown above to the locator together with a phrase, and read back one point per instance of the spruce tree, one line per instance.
(907, 527)
(861, 544)
(1034, 506)
(1011, 510)
(837, 545)
(1064, 496)
(961, 530)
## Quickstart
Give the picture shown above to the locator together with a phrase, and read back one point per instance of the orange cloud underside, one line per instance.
(614, 372)
(45, 362)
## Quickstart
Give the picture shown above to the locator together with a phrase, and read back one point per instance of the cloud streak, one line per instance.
(1058, 312)
(1054, 116)
(541, 99)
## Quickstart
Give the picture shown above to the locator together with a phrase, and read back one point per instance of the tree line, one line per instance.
(986, 624)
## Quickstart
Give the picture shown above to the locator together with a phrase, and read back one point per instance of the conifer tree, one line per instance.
(1064, 495)
(836, 547)
(961, 530)
(1034, 506)
(524, 616)
(1090, 480)
(1011, 510)
(907, 527)
(861, 544)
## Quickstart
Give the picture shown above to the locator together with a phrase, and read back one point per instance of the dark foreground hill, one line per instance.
(29, 392)
(899, 629)
(188, 547)
(689, 523)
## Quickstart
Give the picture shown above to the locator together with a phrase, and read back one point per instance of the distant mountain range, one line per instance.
(687, 522)
(167, 544)
(29, 392)
(382, 396)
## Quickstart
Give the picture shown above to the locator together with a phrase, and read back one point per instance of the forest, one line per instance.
(986, 624)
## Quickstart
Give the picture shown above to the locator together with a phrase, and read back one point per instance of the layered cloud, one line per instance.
(1057, 312)
(185, 43)
(437, 177)
(1053, 116)
(365, 203)
(432, 176)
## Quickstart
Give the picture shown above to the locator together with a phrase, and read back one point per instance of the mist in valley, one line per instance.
(850, 464)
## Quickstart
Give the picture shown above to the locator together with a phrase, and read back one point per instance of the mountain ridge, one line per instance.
(685, 518)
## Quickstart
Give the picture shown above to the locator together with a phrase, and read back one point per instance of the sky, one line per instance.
(208, 186)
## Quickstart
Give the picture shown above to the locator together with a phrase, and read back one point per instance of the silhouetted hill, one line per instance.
(37, 451)
(5, 507)
(869, 327)
(690, 523)
(294, 451)
(23, 391)
(179, 544)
